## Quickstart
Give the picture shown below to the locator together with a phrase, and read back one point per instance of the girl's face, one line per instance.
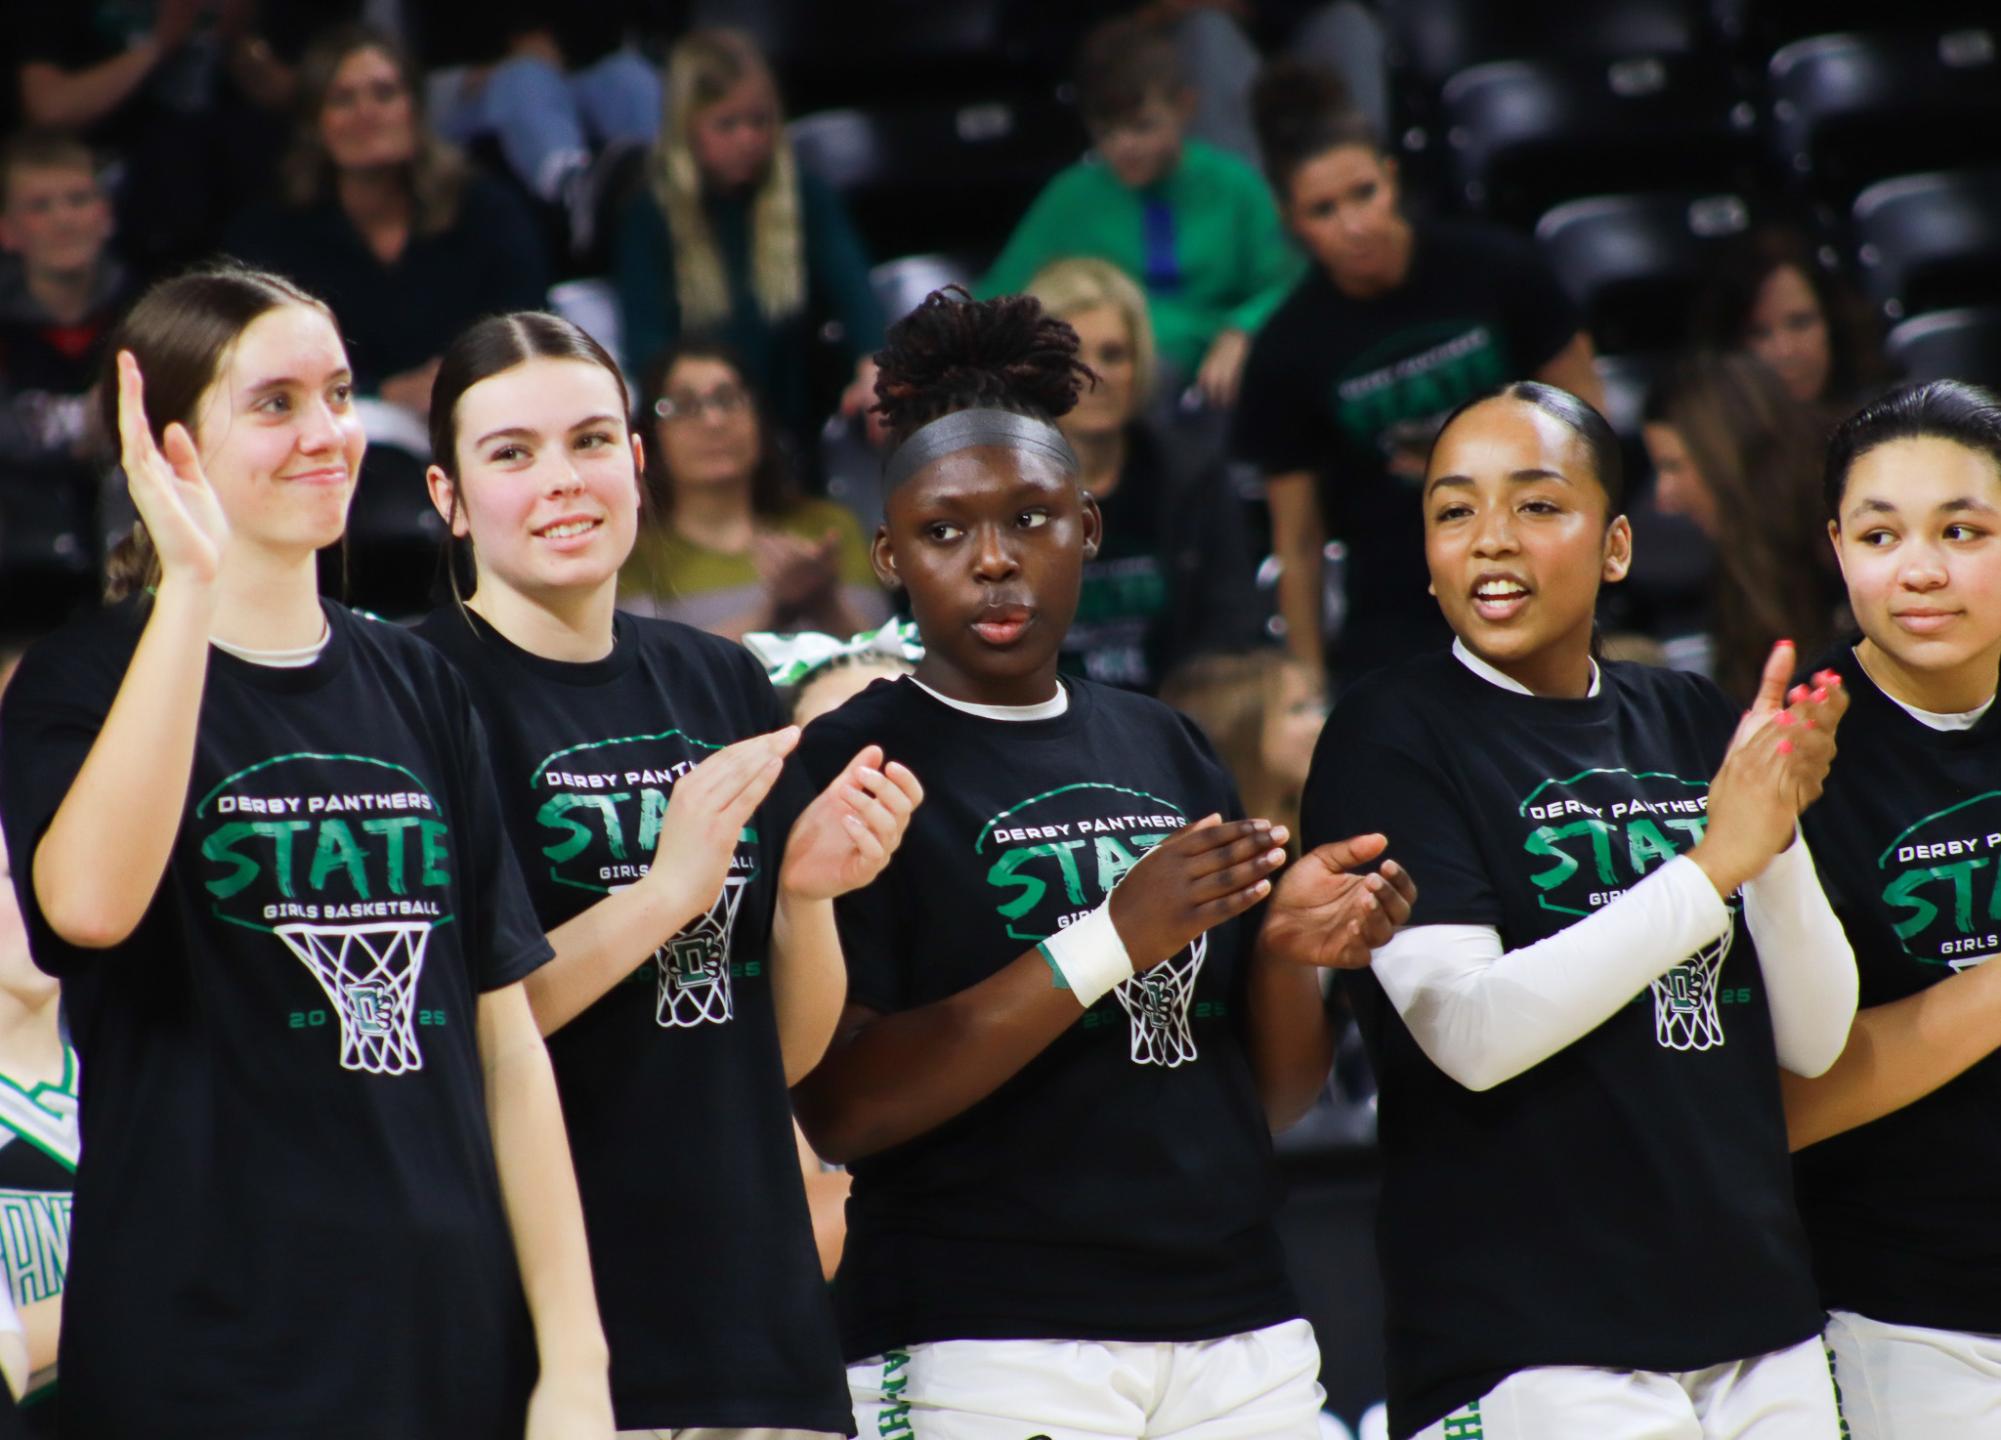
(1787, 330)
(548, 477)
(705, 425)
(1919, 540)
(277, 433)
(990, 543)
(368, 121)
(1342, 206)
(1515, 535)
(1105, 343)
(1679, 488)
(733, 139)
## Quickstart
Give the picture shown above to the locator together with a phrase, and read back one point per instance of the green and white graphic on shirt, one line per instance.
(1942, 886)
(1600, 832)
(600, 805)
(346, 861)
(1413, 377)
(1054, 857)
(34, 1223)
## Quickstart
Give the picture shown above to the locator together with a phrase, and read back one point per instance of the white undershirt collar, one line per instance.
(1495, 677)
(1934, 719)
(296, 657)
(1041, 710)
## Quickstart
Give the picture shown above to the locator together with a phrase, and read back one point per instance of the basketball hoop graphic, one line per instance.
(1157, 1004)
(370, 974)
(694, 967)
(1685, 1016)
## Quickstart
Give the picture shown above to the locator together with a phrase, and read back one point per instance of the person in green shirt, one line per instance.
(729, 545)
(1195, 226)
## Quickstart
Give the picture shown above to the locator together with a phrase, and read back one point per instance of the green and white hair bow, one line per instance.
(790, 659)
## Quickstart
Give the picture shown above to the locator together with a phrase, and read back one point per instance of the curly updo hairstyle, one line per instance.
(957, 353)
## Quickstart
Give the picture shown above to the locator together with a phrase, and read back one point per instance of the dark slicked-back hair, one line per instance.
(1952, 410)
(1601, 442)
(1301, 112)
(957, 353)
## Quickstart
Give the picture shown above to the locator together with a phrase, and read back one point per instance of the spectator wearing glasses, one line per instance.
(731, 545)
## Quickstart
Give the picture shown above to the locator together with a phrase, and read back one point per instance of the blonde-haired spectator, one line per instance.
(730, 240)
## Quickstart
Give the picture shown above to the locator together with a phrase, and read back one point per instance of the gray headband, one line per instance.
(964, 429)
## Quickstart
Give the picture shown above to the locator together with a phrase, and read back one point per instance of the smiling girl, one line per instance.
(697, 970)
(1899, 1205)
(1587, 1226)
(256, 838)
(1065, 1038)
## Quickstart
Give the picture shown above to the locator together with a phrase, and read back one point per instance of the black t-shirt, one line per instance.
(1121, 1185)
(1627, 1202)
(288, 1217)
(1344, 387)
(1172, 579)
(673, 1085)
(400, 315)
(1901, 1211)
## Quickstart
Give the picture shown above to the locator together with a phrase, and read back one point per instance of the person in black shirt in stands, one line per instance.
(1899, 1202)
(1587, 1214)
(255, 835)
(697, 969)
(1066, 1037)
(1396, 323)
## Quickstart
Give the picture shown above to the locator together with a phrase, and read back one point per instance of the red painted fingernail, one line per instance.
(1820, 695)
(1796, 694)
(1784, 642)
(1785, 747)
(1784, 717)
(1810, 724)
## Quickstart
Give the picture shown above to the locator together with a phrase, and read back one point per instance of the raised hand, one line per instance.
(1324, 914)
(843, 839)
(707, 812)
(183, 518)
(1194, 880)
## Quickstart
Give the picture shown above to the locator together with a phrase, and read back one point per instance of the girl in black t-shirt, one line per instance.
(255, 837)
(1065, 1037)
(1899, 1203)
(1397, 322)
(1587, 1219)
(697, 970)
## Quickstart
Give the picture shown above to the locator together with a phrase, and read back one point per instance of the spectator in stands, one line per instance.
(387, 221)
(1771, 296)
(1190, 223)
(1172, 577)
(554, 89)
(60, 291)
(163, 86)
(1396, 322)
(1734, 451)
(732, 241)
(731, 546)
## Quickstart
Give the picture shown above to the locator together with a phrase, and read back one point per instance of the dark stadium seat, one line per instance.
(1847, 110)
(1930, 242)
(1756, 28)
(48, 558)
(1434, 39)
(1950, 345)
(900, 285)
(1525, 134)
(939, 177)
(1636, 262)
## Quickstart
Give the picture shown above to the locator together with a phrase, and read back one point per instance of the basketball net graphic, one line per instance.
(1685, 1015)
(1158, 1003)
(694, 966)
(370, 973)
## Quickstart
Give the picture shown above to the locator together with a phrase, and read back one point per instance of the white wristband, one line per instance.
(1089, 958)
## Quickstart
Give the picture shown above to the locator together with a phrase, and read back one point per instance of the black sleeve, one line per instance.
(1541, 317)
(794, 790)
(1370, 776)
(505, 942)
(1279, 426)
(53, 711)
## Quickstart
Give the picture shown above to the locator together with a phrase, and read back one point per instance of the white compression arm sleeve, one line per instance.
(1484, 1017)
(1808, 964)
